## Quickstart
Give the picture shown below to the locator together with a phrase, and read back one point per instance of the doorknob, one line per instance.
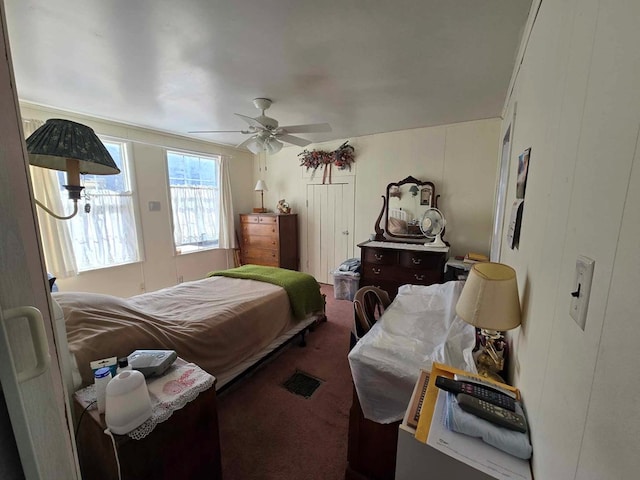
(345, 232)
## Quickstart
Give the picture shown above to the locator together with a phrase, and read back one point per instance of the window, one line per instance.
(106, 236)
(194, 182)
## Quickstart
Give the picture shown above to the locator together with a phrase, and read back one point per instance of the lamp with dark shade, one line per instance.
(73, 148)
(490, 301)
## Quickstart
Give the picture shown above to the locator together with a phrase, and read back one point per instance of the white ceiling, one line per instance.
(364, 66)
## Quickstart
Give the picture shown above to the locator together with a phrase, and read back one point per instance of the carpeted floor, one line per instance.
(268, 432)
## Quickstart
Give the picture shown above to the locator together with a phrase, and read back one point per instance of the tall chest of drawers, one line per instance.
(270, 239)
(388, 265)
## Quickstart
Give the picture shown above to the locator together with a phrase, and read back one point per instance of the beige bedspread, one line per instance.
(216, 322)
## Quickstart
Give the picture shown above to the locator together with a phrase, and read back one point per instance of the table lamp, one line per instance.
(261, 187)
(490, 301)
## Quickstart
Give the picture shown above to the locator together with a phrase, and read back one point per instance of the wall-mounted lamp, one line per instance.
(490, 301)
(73, 148)
(261, 187)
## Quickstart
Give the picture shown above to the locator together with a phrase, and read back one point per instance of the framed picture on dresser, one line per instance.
(426, 196)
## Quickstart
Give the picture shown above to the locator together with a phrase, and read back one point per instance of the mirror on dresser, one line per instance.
(399, 254)
(407, 200)
(403, 206)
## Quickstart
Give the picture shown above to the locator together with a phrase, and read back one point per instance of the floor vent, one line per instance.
(302, 383)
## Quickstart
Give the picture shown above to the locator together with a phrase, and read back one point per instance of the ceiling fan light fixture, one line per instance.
(255, 145)
(273, 145)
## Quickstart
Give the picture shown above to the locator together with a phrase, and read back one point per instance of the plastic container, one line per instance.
(345, 285)
(102, 377)
(123, 364)
(128, 402)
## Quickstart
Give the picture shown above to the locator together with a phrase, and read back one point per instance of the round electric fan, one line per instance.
(432, 226)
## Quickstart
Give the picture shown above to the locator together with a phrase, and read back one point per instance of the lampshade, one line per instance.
(58, 140)
(261, 186)
(273, 145)
(490, 298)
(255, 144)
(73, 148)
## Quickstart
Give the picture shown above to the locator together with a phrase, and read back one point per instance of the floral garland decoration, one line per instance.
(343, 157)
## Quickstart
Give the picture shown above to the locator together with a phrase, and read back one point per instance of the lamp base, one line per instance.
(259, 210)
(491, 375)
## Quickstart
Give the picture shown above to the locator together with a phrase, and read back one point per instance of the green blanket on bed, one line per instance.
(302, 288)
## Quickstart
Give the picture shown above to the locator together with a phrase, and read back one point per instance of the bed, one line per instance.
(222, 323)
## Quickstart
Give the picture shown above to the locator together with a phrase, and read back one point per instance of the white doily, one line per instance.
(182, 383)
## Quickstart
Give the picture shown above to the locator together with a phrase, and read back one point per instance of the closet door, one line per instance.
(330, 224)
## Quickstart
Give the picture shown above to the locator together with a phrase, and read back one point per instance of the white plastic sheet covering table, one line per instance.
(418, 328)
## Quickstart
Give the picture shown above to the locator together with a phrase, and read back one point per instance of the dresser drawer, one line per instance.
(380, 256)
(268, 220)
(260, 241)
(258, 229)
(398, 274)
(250, 218)
(261, 256)
(421, 260)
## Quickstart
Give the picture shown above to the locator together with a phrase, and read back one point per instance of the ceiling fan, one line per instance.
(267, 135)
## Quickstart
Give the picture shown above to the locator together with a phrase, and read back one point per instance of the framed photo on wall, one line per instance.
(523, 171)
(426, 196)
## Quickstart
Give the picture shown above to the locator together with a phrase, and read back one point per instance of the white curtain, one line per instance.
(227, 225)
(55, 236)
(190, 226)
(107, 235)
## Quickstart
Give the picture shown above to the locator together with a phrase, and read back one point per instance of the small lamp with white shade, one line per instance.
(261, 187)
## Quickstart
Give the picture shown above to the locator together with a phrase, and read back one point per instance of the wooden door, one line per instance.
(330, 224)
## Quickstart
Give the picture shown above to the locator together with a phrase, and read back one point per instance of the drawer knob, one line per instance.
(378, 256)
(418, 277)
(376, 271)
(416, 261)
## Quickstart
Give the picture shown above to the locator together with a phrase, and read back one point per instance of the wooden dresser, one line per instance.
(270, 239)
(371, 453)
(388, 265)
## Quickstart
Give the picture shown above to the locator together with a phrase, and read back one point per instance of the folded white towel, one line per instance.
(510, 441)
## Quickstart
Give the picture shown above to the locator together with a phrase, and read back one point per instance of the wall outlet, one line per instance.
(154, 206)
(581, 290)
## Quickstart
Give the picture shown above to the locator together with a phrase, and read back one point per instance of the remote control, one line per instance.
(478, 381)
(482, 392)
(492, 413)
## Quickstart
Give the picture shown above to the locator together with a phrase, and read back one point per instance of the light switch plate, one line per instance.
(581, 290)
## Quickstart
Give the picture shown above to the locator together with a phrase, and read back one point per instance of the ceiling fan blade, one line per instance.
(310, 128)
(301, 142)
(251, 121)
(219, 131)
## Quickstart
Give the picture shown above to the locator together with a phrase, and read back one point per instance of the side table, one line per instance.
(186, 445)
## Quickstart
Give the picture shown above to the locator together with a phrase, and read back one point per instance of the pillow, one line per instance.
(396, 225)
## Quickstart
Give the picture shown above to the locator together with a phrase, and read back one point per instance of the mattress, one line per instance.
(218, 323)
